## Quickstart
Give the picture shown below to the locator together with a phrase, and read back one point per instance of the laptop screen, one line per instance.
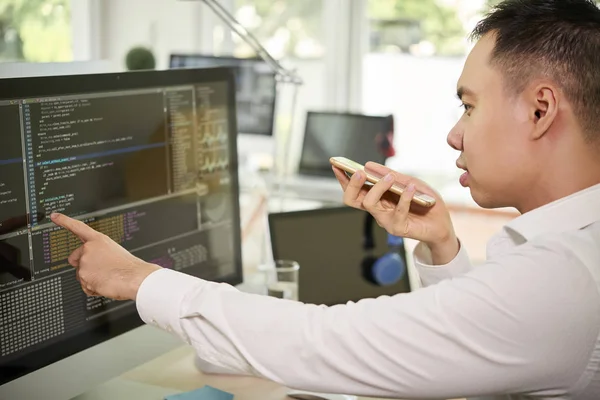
(330, 246)
(358, 137)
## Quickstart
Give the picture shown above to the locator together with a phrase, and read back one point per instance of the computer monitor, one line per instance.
(149, 159)
(329, 245)
(359, 137)
(256, 88)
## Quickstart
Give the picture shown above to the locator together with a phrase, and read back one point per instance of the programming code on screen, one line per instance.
(148, 168)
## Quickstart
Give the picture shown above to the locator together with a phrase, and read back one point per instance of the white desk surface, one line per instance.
(175, 371)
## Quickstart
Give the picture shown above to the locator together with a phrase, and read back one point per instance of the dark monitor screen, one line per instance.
(148, 158)
(328, 243)
(255, 88)
(358, 137)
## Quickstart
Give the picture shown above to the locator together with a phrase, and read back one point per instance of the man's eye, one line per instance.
(467, 107)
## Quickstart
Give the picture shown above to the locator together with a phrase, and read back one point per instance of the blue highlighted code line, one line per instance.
(102, 154)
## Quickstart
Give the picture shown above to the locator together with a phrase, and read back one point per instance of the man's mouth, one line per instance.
(464, 178)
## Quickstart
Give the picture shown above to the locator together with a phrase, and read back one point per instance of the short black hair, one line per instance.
(558, 39)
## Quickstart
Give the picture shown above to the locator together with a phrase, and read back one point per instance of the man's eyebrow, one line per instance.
(464, 91)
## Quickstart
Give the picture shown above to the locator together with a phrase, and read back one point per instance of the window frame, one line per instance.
(86, 20)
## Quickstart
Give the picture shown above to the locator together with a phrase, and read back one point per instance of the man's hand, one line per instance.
(398, 214)
(103, 267)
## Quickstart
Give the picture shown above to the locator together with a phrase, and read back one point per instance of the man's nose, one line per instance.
(455, 138)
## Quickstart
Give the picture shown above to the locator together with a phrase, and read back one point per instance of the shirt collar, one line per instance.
(573, 212)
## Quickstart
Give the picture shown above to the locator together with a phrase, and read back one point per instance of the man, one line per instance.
(523, 325)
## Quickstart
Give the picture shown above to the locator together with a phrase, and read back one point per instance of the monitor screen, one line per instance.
(329, 245)
(147, 158)
(358, 137)
(255, 88)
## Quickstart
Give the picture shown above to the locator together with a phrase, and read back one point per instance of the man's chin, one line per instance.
(483, 200)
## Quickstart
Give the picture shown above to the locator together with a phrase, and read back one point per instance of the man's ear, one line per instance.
(543, 108)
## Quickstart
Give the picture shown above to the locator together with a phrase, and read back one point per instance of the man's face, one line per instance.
(492, 133)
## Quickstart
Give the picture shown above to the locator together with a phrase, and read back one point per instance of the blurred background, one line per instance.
(401, 57)
(373, 57)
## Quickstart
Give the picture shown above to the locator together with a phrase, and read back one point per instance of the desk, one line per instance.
(176, 370)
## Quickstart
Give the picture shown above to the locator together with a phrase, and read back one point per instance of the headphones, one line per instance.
(387, 269)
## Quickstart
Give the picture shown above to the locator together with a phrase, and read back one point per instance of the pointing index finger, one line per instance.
(78, 228)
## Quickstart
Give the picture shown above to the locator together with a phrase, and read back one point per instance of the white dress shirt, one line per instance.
(524, 325)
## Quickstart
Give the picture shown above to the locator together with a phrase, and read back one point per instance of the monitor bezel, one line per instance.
(212, 56)
(326, 171)
(62, 85)
(233, 58)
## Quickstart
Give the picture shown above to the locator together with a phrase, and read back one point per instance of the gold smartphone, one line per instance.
(351, 167)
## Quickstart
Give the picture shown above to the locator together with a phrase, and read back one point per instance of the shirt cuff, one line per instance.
(160, 296)
(431, 274)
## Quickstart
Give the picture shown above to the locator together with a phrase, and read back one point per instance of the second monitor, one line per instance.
(255, 87)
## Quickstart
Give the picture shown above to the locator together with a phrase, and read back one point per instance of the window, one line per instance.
(286, 28)
(417, 52)
(35, 30)
(417, 27)
(291, 31)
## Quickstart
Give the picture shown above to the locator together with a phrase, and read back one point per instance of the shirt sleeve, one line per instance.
(431, 274)
(512, 326)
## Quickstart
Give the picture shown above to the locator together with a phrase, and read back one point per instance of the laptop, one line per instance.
(330, 246)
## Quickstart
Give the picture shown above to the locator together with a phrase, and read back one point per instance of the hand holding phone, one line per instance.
(351, 167)
(428, 224)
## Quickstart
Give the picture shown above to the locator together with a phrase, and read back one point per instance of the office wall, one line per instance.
(163, 25)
